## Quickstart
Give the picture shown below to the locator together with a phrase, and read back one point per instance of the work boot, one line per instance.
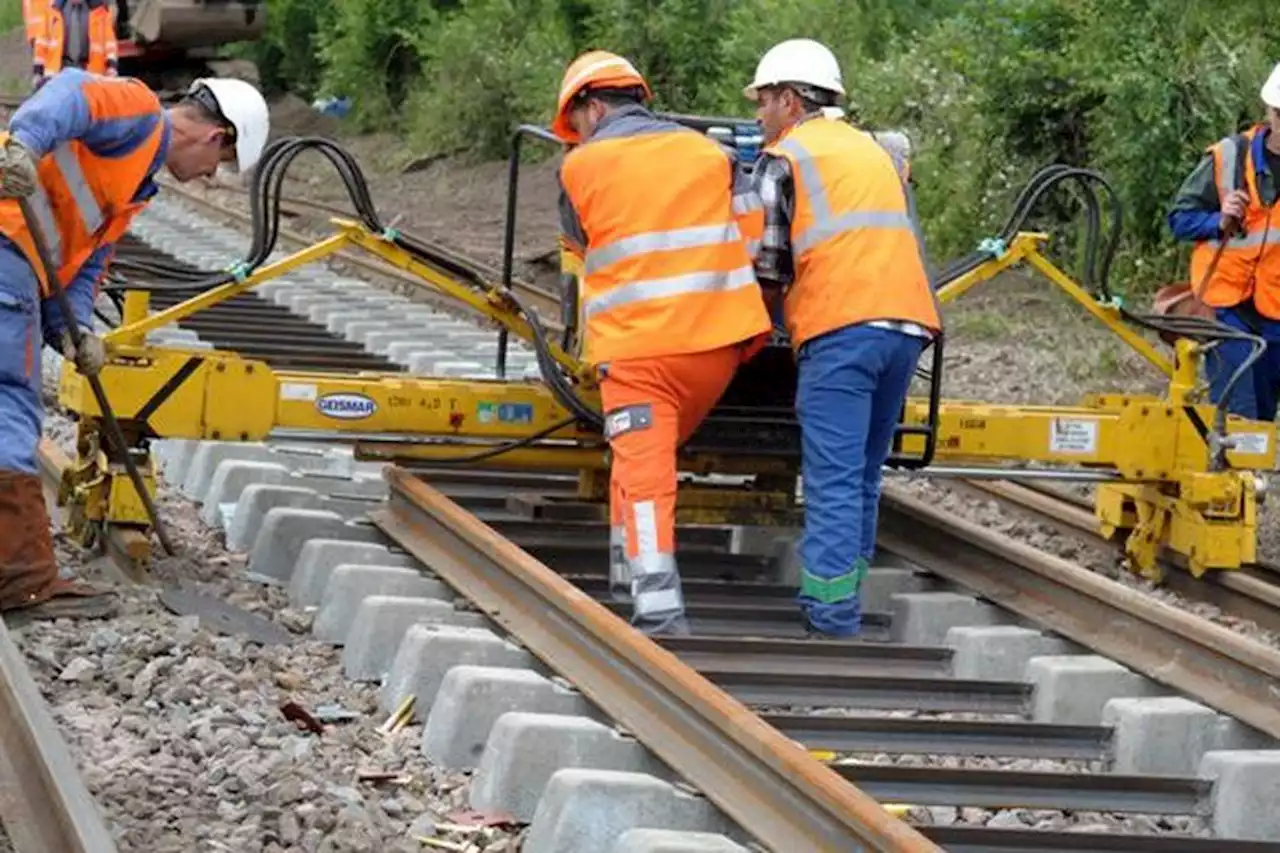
(658, 597)
(29, 581)
(669, 625)
(619, 568)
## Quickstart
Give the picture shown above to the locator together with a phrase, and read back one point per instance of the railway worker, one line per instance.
(84, 151)
(670, 302)
(840, 250)
(77, 34)
(1235, 186)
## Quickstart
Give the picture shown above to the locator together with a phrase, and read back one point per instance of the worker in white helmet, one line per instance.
(84, 152)
(1231, 195)
(840, 249)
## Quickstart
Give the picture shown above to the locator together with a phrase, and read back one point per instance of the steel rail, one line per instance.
(980, 839)
(44, 803)
(767, 783)
(908, 736)
(1010, 789)
(1247, 592)
(878, 692)
(1221, 668)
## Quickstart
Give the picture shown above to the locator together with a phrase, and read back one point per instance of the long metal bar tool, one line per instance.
(115, 435)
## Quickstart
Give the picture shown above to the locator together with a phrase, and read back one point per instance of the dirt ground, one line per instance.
(15, 62)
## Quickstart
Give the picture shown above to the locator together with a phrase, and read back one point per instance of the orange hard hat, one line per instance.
(595, 69)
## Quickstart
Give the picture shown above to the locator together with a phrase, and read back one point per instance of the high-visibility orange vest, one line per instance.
(1250, 264)
(84, 201)
(103, 51)
(33, 12)
(856, 255)
(749, 209)
(666, 270)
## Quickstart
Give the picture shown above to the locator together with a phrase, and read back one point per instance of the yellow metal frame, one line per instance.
(1168, 495)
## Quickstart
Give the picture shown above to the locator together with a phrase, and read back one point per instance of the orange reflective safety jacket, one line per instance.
(1250, 263)
(103, 50)
(84, 201)
(33, 12)
(856, 255)
(665, 270)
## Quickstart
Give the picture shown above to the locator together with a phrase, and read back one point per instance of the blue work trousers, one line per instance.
(1256, 393)
(852, 384)
(21, 409)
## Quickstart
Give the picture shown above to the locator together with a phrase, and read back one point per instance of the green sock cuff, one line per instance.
(831, 590)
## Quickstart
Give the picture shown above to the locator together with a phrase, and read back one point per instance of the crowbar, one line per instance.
(115, 435)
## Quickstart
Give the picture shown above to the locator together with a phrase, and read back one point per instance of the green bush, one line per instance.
(488, 66)
(10, 15)
(989, 90)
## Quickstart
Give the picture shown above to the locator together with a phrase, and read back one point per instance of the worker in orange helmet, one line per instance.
(669, 300)
(841, 246)
(77, 34)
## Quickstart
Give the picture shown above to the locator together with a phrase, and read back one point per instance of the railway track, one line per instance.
(1251, 593)
(44, 804)
(546, 302)
(786, 737)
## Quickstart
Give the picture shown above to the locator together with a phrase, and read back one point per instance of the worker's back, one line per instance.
(857, 254)
(666, 268)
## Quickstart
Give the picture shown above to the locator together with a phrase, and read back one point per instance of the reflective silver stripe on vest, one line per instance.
(747, 202)
(825, 225)
(854, 220)
(659, 288)
(1230, 166)
(86, 204)
(1251, 240)
(43, 212)
(660, 241)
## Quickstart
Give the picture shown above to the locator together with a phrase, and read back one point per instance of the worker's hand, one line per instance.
(1233, 208)
(17, 170)
(91, 355)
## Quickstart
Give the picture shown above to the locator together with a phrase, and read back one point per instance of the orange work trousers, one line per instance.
(652, 406)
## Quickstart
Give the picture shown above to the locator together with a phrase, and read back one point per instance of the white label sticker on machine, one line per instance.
(297, 391)
(1073, 435)
(1253, 443)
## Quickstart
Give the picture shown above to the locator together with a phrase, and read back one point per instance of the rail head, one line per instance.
(767, 783)
(44, 803)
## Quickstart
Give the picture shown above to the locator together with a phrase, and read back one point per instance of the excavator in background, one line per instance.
(169, 43)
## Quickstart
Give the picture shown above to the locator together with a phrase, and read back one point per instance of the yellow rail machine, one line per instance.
(1174, 471)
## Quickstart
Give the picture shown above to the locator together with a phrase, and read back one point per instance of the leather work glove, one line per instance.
(17, 169)
(91, 356)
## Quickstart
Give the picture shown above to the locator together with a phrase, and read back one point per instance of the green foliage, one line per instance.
(10, 15)
(286, 55)
(488, 66)
(989, 90)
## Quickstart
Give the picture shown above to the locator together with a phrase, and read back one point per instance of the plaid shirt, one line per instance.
(774, 262)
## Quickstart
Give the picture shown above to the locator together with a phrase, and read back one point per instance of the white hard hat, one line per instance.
(1271, 89)
(803, 61)
(243, 105)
